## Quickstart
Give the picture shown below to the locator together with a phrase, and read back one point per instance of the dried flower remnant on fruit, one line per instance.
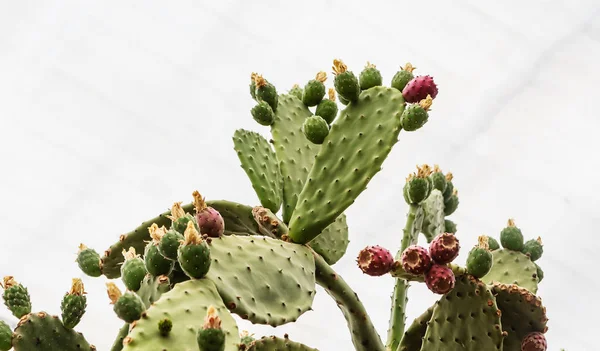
(130, 254)
(156, 233)
(77, 287)
(426, 103)
(212, 320)
(113, 292)
(176, 211)
(339, 67)
(199, 202)
(408, 67)
(321, 77)
(191, 235)
(259, 81)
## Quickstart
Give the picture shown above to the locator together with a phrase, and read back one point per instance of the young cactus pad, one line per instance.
(512, 267)
(273, 343)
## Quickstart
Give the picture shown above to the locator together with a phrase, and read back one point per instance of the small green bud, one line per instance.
(316, 129)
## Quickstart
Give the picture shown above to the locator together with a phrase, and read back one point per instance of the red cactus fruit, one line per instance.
(418, 89)
(375, 260)
(444, 248)
(209, 220)
(534, 342)
(415, 260)
(440, 279)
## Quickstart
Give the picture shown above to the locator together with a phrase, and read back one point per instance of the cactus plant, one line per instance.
(189, 269)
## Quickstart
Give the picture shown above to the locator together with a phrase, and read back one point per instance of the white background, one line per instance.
(111, 111)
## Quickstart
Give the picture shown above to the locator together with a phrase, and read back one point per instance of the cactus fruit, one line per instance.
(327, 108)
(444, 248)
(535, 341)
(211, 337)
(345, 82)
(296, 91)
(180, 218)
(344, 102)
(266, 92)
(165, 326)
(534, 249)
(375, 261)
(89, 261)
(416, 260)
(418, 186)
(263, 113)
(451, 203)
(369, 77)
(169, 243)
(480, 259)
(492, 243)
(73, 304)
(156, 263)
(449, 226)
(133, 270)
(440, 279)
(316, 129)
(539, 272)
(253, 85)
(128, 306)
(416, 115)
(419, 88)
(16, 297)
(5, 336)
(403, 76)
(438, 179)
(449, 186)
(314, 90)
(210, 221)
(194, 254)
(511, 237)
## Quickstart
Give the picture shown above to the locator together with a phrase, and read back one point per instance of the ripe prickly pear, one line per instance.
(266, 92)
(194, 254)
(440, 279)
(539, 272)
(345, 82)
(370, 77)
(165, 326)
(449, 226)
(327, 108)
(314, 90)
(211, 336)
(263, 114)
(416, 115)
(133, 270)
(5, 336)
(418, 186)
(73, 304)
(156, 264)
(210, 221)
(375, 261)
(511, 237)
(451, 203)
(444, 248)
(479, 261)
(16, 297)
(534, 341)
(89, 261)
(418, 89)
(129, 307)
(438, 179)
(492, 243)
(403, 76)
(316, 129)
(296, 91)
(169, 243)
(415, 260)
(534, 249)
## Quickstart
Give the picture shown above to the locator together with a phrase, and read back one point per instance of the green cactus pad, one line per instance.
(522, 313)
(43, 332)
(273, 343)
(333, 241)
(5, 336)
(238, 220)
(260, 164)
(358, 143)
(465, 319)
(264, 280)
(413, 336)
(512, 267)
(186, 305)
(433, 222)
(152, 288)
(118, 343)
(295, 153)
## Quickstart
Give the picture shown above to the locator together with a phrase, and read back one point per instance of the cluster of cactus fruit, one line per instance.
(189, 270)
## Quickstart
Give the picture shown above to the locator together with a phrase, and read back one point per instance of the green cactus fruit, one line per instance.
(5, 336)
(169, 243)
(314, 90)
(369, 77)
(194, 254)
(449, 186)
(315, 129)
(343, 101)
(328, 108)
(403, 76)
(211, 336)
(451, 203)
(73, 304)
(416, 115)
(128, 306)
(253, 86)
(263, 113)
(266, 92)
(246, 338)
(449, 226)
(89, 261)
(438, 179)
(156, 263)
(534, 249)
(345, 83)
(133, 270)
(417, 187)
(539, 273)
(180, 218)
(492, 243)
(479, 261)
(511, 237)
(165, 326)
(296, 91)
(16, 297)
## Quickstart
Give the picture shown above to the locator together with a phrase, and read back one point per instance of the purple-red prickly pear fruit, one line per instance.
(375, 260)
(415, 260)
(440, 279)
(444, 248)
(418, 89)
(534, 342)
(209, 220)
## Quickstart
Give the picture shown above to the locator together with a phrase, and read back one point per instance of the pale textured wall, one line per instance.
(111, 111)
